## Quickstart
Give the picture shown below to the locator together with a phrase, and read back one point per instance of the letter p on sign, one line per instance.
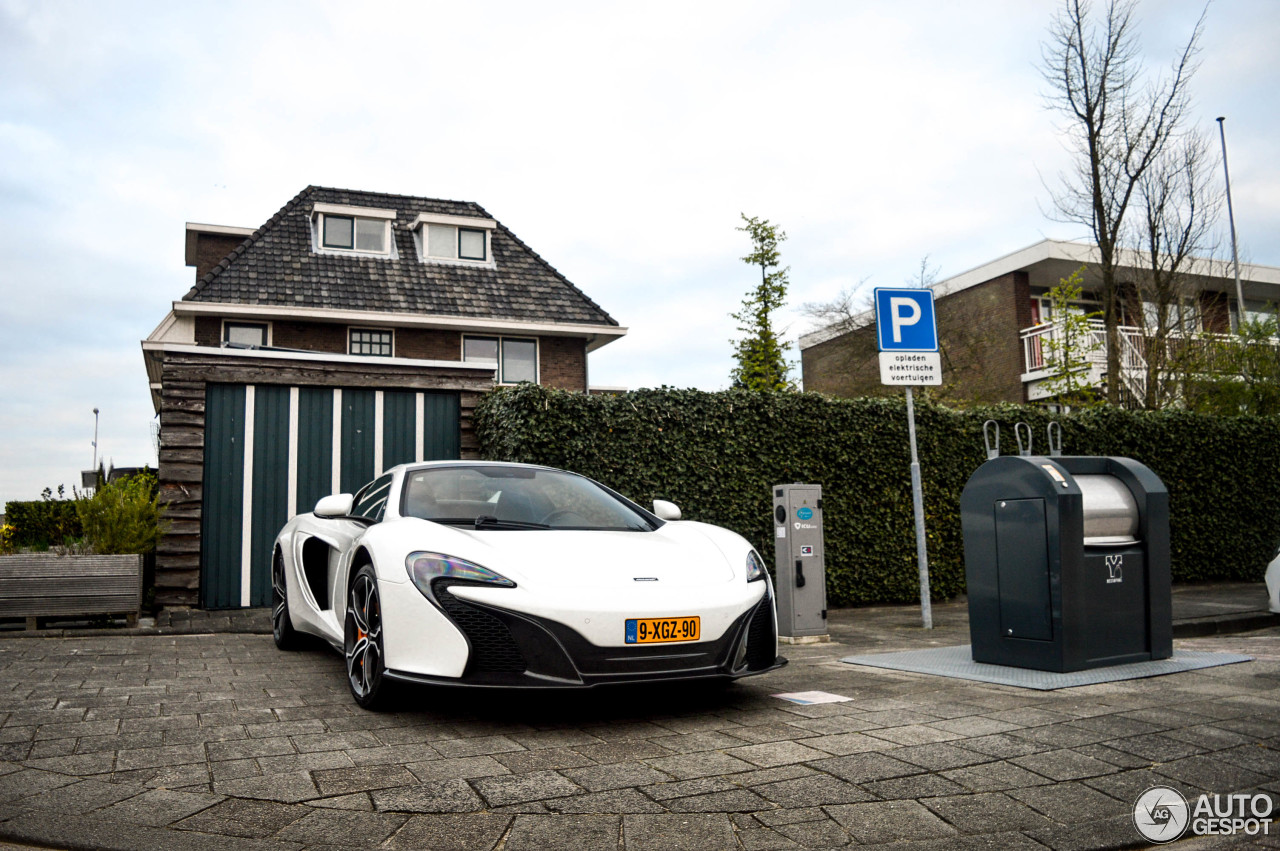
(905, 320)
(902, 311)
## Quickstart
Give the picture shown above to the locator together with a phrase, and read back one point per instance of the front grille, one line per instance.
(761, 636)
(493, 650)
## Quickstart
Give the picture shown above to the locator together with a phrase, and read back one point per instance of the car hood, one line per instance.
(678, 554)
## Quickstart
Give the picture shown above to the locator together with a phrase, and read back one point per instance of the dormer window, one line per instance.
(360, 230)
(454, 243)
(355, 234)
(463, 240)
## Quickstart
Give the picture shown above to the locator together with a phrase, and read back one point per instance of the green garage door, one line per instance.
(271, 451)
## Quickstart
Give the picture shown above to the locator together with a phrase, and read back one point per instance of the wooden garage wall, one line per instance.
(186, 379)
(252, 466)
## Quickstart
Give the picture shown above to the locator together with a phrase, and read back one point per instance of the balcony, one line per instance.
(1134, 350)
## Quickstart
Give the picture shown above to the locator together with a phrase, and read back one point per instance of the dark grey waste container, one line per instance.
(1067, 562)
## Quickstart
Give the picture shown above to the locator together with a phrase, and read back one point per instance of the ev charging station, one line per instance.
(800, 564)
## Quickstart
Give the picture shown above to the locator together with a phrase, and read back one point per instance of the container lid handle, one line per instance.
(993, 450)
(1018, 429)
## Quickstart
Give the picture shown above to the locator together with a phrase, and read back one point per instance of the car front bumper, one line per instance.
(516, 650)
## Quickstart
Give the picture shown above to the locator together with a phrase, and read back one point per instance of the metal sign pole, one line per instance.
(907, 335)
(917, 503)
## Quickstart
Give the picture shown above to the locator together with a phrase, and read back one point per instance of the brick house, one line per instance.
(994, 321)
(350, 332)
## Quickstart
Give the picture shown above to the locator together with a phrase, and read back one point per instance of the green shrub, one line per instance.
(123, 516)
(718, 455)
(52, 521)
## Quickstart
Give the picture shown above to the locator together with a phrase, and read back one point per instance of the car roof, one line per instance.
(427, 465)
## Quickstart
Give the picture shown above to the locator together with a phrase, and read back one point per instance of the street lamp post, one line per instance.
(95, 440)
(1231, 218)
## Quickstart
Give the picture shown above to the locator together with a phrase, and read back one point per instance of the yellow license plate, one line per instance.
(652, 630)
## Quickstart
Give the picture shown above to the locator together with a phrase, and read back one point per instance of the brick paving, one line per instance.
(219, 741)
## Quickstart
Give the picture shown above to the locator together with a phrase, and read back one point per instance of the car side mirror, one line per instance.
(335, 505)
(666, 510)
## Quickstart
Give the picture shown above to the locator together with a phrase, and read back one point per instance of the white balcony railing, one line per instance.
(1038, 346)
(1037, 354)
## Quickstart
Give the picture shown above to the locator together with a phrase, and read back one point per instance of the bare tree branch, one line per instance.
(1116, 127)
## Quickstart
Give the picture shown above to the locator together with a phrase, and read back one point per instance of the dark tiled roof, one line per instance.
(276, 266)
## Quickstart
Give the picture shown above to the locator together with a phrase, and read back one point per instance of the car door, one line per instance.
(367, 509)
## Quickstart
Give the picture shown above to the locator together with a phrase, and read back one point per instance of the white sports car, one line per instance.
(495, 574)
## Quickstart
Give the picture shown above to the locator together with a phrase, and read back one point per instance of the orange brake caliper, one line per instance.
(360, 634)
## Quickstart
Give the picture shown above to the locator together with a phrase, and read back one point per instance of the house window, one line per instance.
(456, 243)
(366, 341)
(1044, 307)
(516, 359)
(454, 239)
(354, 233)
(1179, 318)
(1254, 311)
(244, 333)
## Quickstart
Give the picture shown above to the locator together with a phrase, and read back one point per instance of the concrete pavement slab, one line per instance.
(890, 821)
(344, 829)
(568, 832)
(441, 796)
(615, 801)
(160, 807)
(240, 817)
(474, 832)
(682, 832)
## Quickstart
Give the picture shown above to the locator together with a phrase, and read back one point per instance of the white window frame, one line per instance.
(1255, 309)
(498, 376)
(353, 328)
(485, 226)
(320, 211)
(1080, 305)
(222, 337)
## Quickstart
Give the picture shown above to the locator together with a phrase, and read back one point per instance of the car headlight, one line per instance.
(755, 567)
(425, 568)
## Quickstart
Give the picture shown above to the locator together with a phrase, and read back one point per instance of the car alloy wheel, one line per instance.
(363, 641)
(286, 637)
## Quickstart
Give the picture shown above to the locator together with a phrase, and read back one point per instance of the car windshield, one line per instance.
(501, 497)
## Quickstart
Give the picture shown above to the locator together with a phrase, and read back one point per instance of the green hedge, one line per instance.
(717, 455)
(42, 524)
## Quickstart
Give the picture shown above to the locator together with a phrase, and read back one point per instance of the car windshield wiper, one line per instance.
(489, 521)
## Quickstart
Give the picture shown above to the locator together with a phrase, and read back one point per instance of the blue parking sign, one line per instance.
(905, 320)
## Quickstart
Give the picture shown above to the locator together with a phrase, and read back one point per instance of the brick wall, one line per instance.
(208, 330)
(978, 335)
(563, 360)
(312, 336)
(563, 363)
(211, 248)
(425, 344)
(845, 366)
(978, 329)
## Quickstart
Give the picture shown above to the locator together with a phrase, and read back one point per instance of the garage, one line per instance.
(248, 438)
(271, 451)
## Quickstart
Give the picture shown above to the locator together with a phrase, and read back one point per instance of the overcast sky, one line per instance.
(619, 140)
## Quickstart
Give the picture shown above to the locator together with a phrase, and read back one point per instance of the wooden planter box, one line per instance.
(49, 585)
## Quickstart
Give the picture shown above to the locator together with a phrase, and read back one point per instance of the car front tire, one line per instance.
(286, 637)
(363, 642)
